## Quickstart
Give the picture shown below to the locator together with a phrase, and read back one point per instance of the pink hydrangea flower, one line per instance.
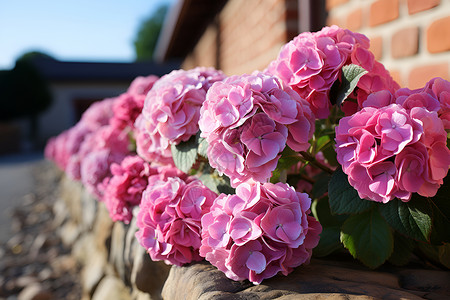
(98, 151)
(148, 146)
(98, 114)
(434, 96)
(141, 85)
(169, 219)
(441, 89)
(260, 231)
(248, 120)
(124, 191)
(312, 62)
(64, 149)
(129, 105)
(393, 151)
(50, 148)
(172, 108)
(95, 170)
(55, 150)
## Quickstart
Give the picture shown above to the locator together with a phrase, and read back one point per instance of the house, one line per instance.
(75, 85)
(410, 37)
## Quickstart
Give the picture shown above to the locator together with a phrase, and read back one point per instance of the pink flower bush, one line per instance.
(169, 218)
(95, 171)
(172, 109)
(248, 120)
(312, 62)
(261, 230)
(434, 96)
(141, 85)
(66, 145)
(129, 105)
(98, 114)
(99, 150)
(64, 149)
(55, 150)
(124, 190)
(148, 146)
(393, 151)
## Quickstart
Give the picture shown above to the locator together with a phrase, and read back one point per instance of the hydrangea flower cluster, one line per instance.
(99, 151)
(169, 218)
(395, 150)
(64, 148)
(87, 150)
(434, 96)
(261, 230)
(124, 189)
(129, 105)
(312, 62)
(248, 120)
(172, 110)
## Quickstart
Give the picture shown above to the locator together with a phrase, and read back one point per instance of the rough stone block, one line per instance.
(321, 279)
(116, 255)
(111, 287)
(148, 276)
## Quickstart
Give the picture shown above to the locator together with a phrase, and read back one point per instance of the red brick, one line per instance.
(421, 75)
(354, 20)
(330, 4)
(383, 11)
(376, 46)
(415, 6)
(405, 42)
(438, 36)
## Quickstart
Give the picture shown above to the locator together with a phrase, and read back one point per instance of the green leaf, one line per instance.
(320, 186)
(403, 248)
(368, 238)
(217, 184)
(431, 252)
(351, 74)
(321, 142)
(288, 158)
(440, 205)
(202, 147)
(185, 154)
(321, 211)
(329, 241)
(412, 219)
(343, 197)
(330, 154)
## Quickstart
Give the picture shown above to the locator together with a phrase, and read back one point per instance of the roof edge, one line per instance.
(170, 26)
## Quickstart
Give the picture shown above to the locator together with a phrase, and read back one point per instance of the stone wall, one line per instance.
(115, 266)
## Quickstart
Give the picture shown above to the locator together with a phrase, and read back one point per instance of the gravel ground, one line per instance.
(34, 264)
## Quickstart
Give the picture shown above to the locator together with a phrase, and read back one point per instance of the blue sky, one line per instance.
(76, 30)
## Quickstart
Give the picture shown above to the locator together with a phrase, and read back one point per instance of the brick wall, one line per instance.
(246, 36)
(411, 37)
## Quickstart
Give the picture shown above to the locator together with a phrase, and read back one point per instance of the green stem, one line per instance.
(312, 160)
